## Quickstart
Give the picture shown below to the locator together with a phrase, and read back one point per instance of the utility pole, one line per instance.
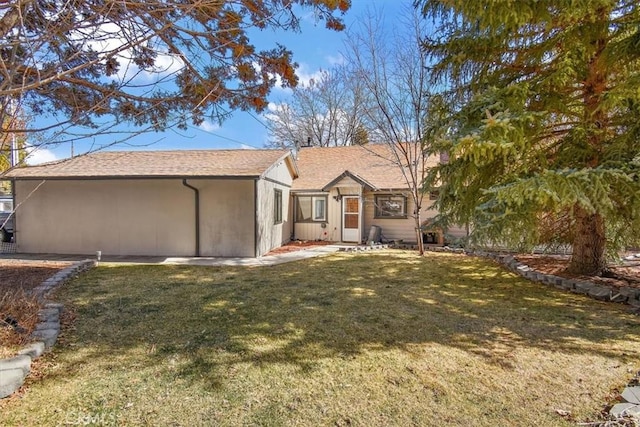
(13, 158)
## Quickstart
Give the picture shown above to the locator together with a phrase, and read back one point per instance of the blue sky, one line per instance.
(314, 48)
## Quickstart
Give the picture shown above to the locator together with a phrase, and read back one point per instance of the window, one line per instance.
(433, 195)
(391, 206)
(277, 204)
(311, 208)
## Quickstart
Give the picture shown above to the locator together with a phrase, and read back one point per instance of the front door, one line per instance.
(351, 219)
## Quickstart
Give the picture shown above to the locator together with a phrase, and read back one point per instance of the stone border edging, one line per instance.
(14, 371)
(626, 295)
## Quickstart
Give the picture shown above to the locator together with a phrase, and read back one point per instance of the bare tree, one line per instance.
(325, 113)
(153, 64)
(392, 68)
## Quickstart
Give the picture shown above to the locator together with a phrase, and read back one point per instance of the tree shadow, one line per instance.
(301, 313)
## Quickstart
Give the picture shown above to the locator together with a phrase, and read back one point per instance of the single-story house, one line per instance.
(169, 203)
(343, 192)
(219, 203)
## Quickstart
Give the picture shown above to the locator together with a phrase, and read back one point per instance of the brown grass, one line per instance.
(17, 280)
(385, 338)
(26, 275)
(16, 306)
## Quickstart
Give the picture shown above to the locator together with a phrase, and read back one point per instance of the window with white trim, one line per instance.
(391, 206)
(277, 206)
(311, 208)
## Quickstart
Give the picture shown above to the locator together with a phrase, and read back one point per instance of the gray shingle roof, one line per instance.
(156, 164)
(372, 163)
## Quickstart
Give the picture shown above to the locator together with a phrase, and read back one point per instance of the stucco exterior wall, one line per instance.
(122, 217)
(227, 217)
(135, 217)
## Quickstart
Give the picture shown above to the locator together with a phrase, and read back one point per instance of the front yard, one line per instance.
(375, 339)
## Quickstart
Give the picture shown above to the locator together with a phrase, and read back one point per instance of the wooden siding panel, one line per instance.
(269, 234)
(395, 229)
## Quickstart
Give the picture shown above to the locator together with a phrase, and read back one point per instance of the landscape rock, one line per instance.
(48, 336)
(10, 381)
(48, 315)
(630, 293)
(583, 287)
(618, 297)
(55, 305)
(625, 409)
(634, 303)
(564, 285)
(632, 395)
(47, 325)
(33, 350)
(22, 362)
(600, 293)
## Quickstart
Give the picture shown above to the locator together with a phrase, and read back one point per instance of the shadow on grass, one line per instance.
(335, 307)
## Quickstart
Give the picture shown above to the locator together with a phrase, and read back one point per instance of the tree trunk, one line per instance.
(419, 234)
(588, 243)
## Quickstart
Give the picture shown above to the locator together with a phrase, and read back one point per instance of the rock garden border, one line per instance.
(625, 295)
(14, 371)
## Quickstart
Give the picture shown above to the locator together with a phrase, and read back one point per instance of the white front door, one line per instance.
(351, 219)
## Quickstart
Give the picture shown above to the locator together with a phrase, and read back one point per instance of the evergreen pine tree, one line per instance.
(540, 113)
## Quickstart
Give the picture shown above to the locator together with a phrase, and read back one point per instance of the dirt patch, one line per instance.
(626, 274)
(26, 275)
(298, 245)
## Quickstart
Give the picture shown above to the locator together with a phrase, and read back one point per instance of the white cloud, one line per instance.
(36, 156)
(208, 126)
(275, 111)
(338, 59)
(272, 106)
(109, 37)
(165, 64)
(305, 75)
(246, 147)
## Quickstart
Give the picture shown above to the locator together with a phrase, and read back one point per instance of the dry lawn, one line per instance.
(377, 339)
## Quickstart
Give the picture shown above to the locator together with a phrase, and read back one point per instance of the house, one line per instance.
(342, 192)
(181, 203)
(219, 203)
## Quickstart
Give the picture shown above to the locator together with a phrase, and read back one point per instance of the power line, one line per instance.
(222, 137)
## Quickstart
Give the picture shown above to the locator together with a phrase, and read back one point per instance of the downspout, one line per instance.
(15, 208)
(197, 203)
(256, 238)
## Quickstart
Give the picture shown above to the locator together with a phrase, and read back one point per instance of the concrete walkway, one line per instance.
(311, 252)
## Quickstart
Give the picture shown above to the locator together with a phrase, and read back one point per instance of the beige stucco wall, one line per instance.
(135, 217)
(272, 235)
(227, 217)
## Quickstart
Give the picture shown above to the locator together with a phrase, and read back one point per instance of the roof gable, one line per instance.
(160, 164)
(347, 174)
